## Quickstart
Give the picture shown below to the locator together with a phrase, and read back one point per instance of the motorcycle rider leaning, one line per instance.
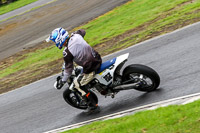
(79, 51)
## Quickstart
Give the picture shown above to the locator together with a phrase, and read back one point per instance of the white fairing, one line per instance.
(106, 77)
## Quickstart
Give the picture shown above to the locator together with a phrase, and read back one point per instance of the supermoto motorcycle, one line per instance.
(108, 81)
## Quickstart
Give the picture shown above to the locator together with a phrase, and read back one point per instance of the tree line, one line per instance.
(2, 2)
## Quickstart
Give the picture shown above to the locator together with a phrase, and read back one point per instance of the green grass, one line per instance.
(33, 60)
(12, 6)
(174, 17)
(172, 119)
(126, 17)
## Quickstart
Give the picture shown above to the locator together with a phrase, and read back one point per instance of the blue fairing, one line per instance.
(106, 65)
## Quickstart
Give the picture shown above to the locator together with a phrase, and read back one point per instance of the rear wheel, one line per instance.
(148, 79)
(74, 99)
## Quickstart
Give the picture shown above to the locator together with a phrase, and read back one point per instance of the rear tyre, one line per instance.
(74, 99)
(146, 76)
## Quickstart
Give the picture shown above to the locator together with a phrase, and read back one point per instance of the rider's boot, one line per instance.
(92, 106)
(92, 110)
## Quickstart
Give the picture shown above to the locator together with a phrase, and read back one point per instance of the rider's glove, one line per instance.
(59, 83)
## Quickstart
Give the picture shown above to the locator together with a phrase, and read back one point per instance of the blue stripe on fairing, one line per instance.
(106, 65)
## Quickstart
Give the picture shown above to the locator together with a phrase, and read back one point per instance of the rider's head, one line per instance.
(59, 36)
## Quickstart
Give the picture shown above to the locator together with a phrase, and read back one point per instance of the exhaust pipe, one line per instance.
(126, 87)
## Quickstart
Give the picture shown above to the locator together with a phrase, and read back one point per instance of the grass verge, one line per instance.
(171, 119)
(14, 5)
(120, 28)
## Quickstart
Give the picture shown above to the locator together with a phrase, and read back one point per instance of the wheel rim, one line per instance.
(76, 102)
(143, 80)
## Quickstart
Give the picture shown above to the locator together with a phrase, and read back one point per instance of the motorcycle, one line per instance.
(108, 81)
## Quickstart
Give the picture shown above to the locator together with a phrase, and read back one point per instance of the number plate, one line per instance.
(107, 77)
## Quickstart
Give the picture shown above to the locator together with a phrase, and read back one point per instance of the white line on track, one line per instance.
(179, 100)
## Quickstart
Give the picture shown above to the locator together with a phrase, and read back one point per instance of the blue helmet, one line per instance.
(59, 36)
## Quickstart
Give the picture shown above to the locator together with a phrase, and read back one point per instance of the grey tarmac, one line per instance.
(38, 107)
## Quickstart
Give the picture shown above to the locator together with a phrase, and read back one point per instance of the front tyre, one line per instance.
(74, 99)
(148, 78)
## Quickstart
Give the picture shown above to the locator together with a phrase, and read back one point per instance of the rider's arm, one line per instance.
(68, 58)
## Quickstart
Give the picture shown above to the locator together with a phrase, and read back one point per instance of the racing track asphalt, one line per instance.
(31, 28)
(38, 107)
(23, 9)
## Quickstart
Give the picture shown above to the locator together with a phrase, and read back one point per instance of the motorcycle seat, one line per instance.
(106, 65)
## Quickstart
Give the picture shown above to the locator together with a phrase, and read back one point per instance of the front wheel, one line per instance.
(147, 78)
(74, 99)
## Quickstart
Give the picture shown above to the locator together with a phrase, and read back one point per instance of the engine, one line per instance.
(99, 87)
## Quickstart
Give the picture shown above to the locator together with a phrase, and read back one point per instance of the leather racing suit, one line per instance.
(80, 52)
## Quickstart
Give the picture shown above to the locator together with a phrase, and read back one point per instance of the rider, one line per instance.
(79, 51)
